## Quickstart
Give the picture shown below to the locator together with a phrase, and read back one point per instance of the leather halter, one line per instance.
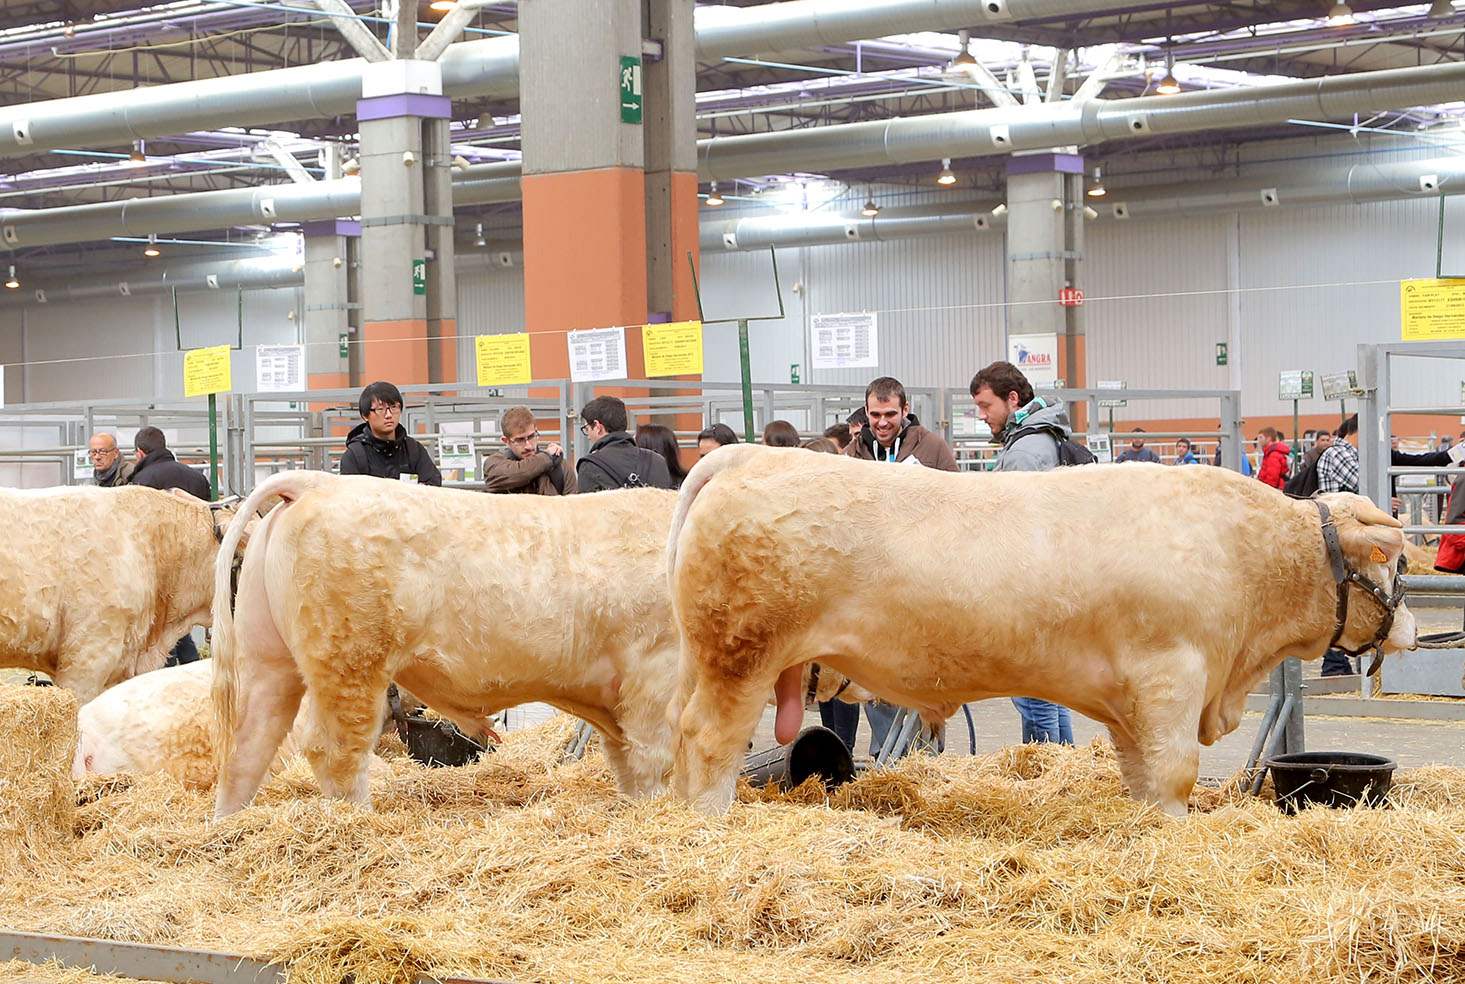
(814, 685)
(1345, 574)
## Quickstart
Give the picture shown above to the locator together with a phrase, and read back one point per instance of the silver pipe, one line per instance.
(484, 68)
(982, 132)
(822, 228)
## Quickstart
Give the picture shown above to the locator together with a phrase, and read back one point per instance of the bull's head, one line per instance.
(1372, 546)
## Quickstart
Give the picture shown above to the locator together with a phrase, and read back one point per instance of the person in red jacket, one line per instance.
(1275, 456)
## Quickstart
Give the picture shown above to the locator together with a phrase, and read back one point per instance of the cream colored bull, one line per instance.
(472, 602)
(99, 584)
(1150, 599)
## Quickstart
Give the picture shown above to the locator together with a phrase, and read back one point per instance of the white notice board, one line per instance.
(843, 341)
(596, 354)
(279, 368)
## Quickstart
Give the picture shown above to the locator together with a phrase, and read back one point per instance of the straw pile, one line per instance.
(37, 745)
(1028, 864)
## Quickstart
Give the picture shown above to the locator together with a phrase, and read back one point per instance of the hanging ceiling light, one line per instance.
(871, 209)
(442, 5)
(947, 177)
(12, 283)
(152, 247)
(1340, 16)
(1169, 85)
(713, 198)
(137, 156)
(963, 63)
(479, 240)
(1097, 190)
(1441, 8)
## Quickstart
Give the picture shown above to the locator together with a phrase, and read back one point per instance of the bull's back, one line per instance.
(986, 549)
(425, 568)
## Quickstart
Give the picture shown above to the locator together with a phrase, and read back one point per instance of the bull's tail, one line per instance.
(223, 653)
(702, 472)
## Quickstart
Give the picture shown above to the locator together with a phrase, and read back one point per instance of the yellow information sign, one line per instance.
(206, 370)
(503, 360)
(673, 349)
(1432, 309)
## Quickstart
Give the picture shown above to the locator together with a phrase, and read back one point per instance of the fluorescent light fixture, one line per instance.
(947, 177)
(713, 198)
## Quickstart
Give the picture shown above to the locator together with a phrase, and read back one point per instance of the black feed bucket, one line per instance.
(815, 752)
(435, 743)
(1330, 779)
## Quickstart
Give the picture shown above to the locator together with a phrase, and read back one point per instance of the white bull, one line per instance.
(100, 583)
(472, 602)
(1150, 599)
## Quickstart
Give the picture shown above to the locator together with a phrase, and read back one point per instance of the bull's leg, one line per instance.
(1160, 765)
(642, 763)
(270, 690)
(342, 728)
(715, 725)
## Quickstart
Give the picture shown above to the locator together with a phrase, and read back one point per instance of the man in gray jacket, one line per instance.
(1029, 429)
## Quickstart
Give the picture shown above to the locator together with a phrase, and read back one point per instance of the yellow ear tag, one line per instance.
(1378, 557)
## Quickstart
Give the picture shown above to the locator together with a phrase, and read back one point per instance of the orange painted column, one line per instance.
(584, 261)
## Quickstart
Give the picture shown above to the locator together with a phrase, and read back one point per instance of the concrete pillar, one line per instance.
(328, 302)
(1044, 249)
(442, 281)
(400, 99)
(610, 206)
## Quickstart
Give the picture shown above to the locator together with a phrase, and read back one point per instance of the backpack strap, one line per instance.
(614, 476)
(1022, 432)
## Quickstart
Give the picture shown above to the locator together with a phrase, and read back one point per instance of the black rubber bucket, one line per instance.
(1337, 779)
(815, 752)
(440, 743)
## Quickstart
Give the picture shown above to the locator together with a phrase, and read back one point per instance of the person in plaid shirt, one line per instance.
(1337, 469)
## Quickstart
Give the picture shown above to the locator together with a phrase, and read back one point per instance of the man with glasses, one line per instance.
(379, 445)
(524, 466)
(614, 461)
(109, 468)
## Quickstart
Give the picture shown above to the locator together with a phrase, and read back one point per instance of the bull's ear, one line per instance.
(1370, 544)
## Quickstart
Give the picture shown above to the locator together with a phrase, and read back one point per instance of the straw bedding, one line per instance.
(1028, 863)
(37, 745)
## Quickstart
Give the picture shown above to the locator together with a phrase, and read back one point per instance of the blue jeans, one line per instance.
(841, 718)
(881, 716)
(1043, 721)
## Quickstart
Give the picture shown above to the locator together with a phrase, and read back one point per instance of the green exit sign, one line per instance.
(630, 83)
(419, 276)
(1220, 353)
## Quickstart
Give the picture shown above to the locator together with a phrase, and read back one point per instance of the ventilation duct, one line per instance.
(471, 69)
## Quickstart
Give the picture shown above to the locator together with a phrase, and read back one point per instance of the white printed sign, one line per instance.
(1100, 446)
(1339, 385)
(596, 354)
(456, 454)
(842, 341)
(1037, 357)
(82, 467)
(279, 368)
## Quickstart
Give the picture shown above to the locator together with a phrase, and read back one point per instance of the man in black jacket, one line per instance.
(379, 445)
(157, 468)
(614, 461)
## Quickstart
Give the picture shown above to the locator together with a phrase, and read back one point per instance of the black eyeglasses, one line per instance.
(585, 429)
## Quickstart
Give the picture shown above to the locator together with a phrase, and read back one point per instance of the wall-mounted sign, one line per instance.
(673, 349)
(1037, 357)
(503, 360)
(597, 354)
(844, 341)
(630, 84)
(206, 370)
(1431, 309)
